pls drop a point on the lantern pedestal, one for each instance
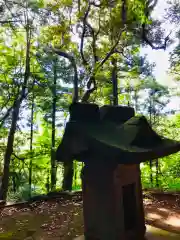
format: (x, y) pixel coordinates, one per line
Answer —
(112, 202)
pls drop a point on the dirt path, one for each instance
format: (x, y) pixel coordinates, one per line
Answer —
(48, 220)
(59, 219)
(163, 214)
(158, 234)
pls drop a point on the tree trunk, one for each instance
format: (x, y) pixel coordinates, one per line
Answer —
(53, 159)
(15, 115)
(47, 182)
(31, 142)
(114, 82)
(157, 173)
(156, 161)
(151, 174)
(75, 174)
(8, 152)
(150, 162)
(13, 178)
(68, 176)
(136, 100)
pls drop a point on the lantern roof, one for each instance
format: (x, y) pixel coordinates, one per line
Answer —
(111, 133)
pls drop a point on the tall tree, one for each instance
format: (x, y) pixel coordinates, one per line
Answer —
(94, 21)
(54, 100)
(31, 138)
(154, 104)
(16, 108)
(173, 15)
(56, 75)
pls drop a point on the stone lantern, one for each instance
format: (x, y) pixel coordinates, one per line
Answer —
(112, 142)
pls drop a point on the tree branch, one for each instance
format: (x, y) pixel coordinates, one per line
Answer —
(124, 12)
(90, 90)
(147, 41)
(91, 80)
(4, 22)
(83, 35)
(123, 54)
(73, 62)
(79, 6)
(17, 100)
(91, 83)
(2, 120)
(37, 79)
(6, 102)
(96, 4)
(93, 35)
(19, 158)
(151, 4)
(112, 50)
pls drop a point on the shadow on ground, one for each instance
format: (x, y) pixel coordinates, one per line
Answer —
(63, 220)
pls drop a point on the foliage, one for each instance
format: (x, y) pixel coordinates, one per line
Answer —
(75, 42)
(173, 14)
(169, 178)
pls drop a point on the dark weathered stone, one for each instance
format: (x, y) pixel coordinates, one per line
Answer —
(131, 142)
(103, 202)
(117, 114)
(99, 209)
(83, 112)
